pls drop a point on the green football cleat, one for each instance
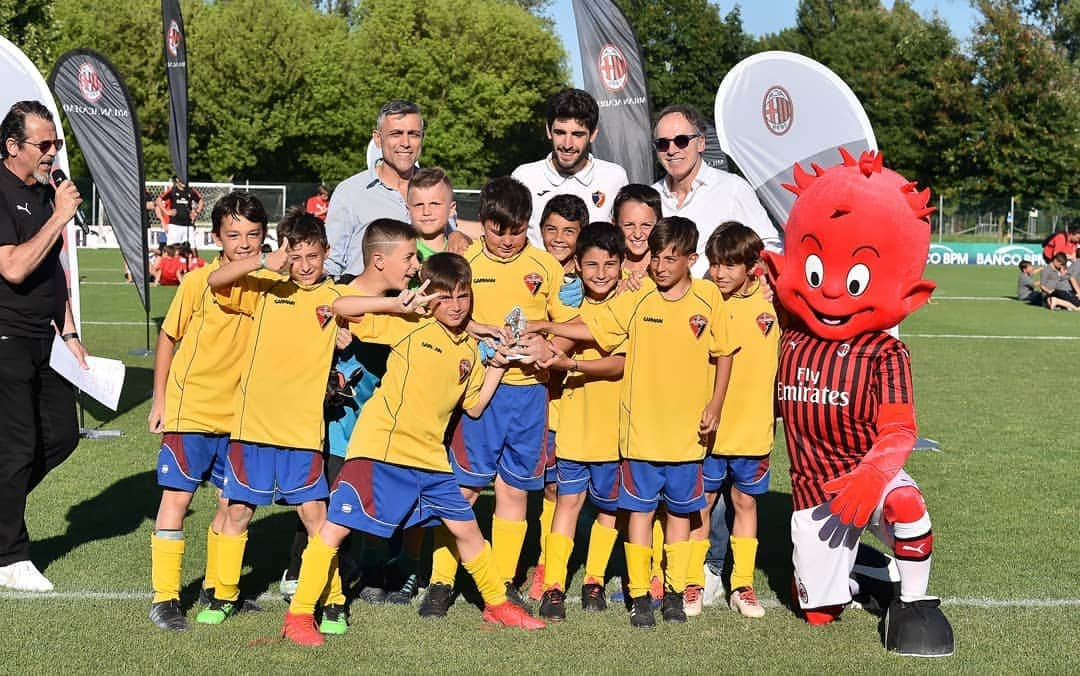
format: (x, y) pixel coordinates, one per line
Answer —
(334, 621)
(216, 612)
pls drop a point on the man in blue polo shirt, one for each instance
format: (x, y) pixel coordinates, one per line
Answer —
(379, 191)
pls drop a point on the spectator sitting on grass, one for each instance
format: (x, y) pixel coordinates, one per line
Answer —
(1060, 289)
(1027, 289)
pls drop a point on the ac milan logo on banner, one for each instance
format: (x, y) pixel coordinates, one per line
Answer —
(323, 314)
(533, 282)
(89, 83)
(765, 322)
(173, 39)
(698, 324)
(777, 110)
(612, 67)
(464, 369)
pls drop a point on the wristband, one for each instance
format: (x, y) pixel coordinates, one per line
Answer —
(262, 262)
(69, 336)
(575, 366)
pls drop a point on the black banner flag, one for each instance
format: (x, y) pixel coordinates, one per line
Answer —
(101, 113)
(172, 32)
(614, 74)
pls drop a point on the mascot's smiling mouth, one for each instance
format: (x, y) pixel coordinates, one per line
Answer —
(831, 320)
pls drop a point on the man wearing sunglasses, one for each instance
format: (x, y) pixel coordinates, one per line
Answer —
(570, 168)
(695, 190)
(38, 427)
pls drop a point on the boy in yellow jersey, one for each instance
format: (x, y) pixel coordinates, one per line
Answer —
(560, 224)
(390, 264)
(398, 472)
(277, 435)
(506, 443)
(587, 441)
(190, 381)
(669, 407)
(740, 452)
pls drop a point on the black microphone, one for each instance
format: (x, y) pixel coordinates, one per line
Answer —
(58, 177)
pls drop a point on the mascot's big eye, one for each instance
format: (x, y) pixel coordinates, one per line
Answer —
(815, 271)
(858, 278)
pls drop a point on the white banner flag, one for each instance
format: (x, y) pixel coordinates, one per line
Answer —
(777, 108)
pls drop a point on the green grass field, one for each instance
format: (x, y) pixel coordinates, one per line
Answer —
(992, 380)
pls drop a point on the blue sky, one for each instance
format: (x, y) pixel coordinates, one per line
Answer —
(761, 17)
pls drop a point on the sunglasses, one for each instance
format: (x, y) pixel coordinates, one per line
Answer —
(680, 141)
(44, 146)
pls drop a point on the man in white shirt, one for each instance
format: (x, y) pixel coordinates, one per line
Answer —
(694, 190)
(570, 168)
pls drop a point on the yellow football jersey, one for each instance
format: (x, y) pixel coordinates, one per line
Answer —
(748, 418)
(668, 378)
(429, 373)
(205, 369)
(589, 410)
(530, 280)
(287, 363)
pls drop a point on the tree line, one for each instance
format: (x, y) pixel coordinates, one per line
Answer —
(288, 90)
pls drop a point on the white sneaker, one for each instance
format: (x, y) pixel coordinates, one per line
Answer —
(745, 602)
(692, 600)
(714, 588)
(24, 576)
(287, 586)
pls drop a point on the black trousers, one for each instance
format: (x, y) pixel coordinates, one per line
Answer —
(38, 431)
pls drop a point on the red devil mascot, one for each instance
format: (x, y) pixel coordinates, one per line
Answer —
(856, 243)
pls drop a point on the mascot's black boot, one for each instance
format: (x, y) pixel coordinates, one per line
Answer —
(918, 629)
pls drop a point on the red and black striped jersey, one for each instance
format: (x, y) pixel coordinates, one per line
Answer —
(828, 393)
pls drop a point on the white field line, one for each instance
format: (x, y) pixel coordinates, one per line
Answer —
(987, 603)
(1004, 298)
(964, 336)
(90, 323)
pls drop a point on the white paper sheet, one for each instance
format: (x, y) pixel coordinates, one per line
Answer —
(103, 381)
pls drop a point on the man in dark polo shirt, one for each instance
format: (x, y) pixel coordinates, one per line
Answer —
(38, 428)
(183, 204)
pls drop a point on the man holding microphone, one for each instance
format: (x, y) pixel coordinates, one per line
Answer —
(38, 426)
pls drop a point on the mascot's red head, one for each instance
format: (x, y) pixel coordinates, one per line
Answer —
(855, 248)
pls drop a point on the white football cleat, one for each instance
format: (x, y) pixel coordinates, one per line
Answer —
(24, 576)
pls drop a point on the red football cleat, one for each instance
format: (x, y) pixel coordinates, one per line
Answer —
(301, 630)
(536, 588)
(509, 615)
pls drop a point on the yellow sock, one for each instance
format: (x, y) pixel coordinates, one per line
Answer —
(507, 537)
(230, 561)
(657, 569)
(210, 577)
(333, 595)
(559, 548)
(601, 542)
(166, 561)
(678, 558)
(637, 568)
(743, 553)
(547, 515)
(444, 562)
(315, 566)
(488, 581)
(695, 572)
